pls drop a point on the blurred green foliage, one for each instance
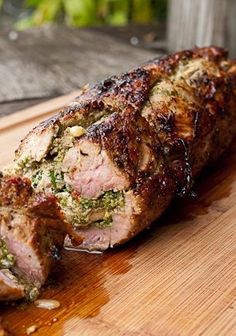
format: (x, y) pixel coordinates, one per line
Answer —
(81, 13)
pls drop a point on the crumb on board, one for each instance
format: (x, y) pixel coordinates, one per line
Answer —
(47, 304)
(54, 320)
(30, 330)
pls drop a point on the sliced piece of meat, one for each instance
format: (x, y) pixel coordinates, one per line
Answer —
(32, 241)
(10, 288)
(133, 218)
(37, 146)
(33, 230)
(94, 239)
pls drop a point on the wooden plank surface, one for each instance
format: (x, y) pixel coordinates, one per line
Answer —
(44, 62)
(201, 23)
(49, 61)
(177, 279)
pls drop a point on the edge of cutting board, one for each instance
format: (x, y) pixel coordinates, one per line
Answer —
(36, 111)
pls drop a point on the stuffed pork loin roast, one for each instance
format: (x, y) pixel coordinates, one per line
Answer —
(118, 154)
(31, 233)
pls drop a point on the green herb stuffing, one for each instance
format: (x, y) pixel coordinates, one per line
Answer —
(113, 199)
(78, 211)
(48, 176)
(88, 203)
(23, 163)
(53, 179)
(109, 201)
(72, 209)
(7, 260)
(57, 180)
(32, 293)
(106, 222)
(36, 178)
(60, 146)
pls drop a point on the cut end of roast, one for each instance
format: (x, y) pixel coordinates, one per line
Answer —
(120, 230)
(31, 231)
(90, 172)
(10, 287)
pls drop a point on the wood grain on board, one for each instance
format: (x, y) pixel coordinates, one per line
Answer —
(176, 279)
(48, 61)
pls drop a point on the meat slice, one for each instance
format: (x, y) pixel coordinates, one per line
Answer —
(10, 288)
(147, 134)
(32, 231)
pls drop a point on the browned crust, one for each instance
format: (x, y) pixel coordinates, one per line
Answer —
(18, 194)
(122, 135)
(129, 89)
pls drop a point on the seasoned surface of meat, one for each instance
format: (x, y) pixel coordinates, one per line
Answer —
(145, 136)
(32, 232)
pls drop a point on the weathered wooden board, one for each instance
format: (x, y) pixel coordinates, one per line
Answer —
(177, 279)
(201, 23)
(51, 60)
(45, 62)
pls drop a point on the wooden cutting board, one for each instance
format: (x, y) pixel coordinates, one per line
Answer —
(177, 278)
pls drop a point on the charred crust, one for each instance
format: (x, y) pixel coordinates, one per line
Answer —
(212, 53)
(121, 135)
(17, 193)
(167, 64)
(129, 89)
(154, 187)
(45, 206)
(14, 191)
(166, 121)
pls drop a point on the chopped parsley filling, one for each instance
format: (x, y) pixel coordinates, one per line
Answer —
(78, 211)
(109, 201)
(47, 176)
(7, 260)
(106, 222)
(32, 293)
